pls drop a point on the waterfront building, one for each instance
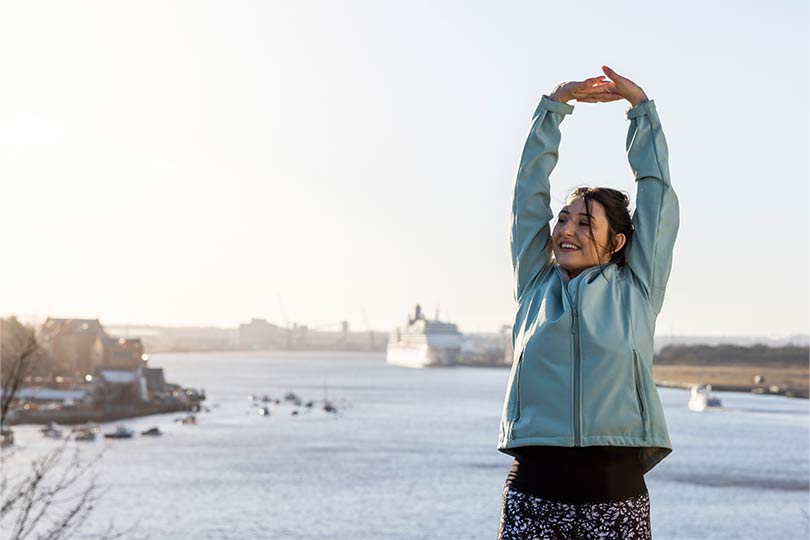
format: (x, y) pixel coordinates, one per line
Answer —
(122, 353)
(120, 386)
(76, 345)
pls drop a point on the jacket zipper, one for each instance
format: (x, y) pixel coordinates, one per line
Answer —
(575, 338)
(577, 390)
(640, 394)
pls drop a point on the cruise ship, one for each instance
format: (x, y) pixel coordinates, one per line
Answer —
(424, 343)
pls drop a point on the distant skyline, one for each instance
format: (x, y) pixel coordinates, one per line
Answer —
(204, 163)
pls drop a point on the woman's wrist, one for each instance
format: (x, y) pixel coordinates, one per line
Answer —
(556, 96)
(639, 100)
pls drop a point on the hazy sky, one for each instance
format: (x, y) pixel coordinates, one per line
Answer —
(315, 161)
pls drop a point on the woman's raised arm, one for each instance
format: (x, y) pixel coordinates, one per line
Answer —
(531, 209)
(656, 218)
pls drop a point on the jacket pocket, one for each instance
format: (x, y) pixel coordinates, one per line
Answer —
(640, 395)
(513, 408)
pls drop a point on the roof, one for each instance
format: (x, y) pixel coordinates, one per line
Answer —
(53, 326)
(49, 394)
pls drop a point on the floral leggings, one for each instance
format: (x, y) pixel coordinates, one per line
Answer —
(526, 517)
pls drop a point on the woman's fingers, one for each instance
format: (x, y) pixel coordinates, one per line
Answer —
(590, 90)
(599, 98)
(610, 73)
(596, 82)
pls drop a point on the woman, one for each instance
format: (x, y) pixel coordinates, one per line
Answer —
(582, 416)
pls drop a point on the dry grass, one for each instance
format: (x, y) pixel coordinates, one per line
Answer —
(736, 375)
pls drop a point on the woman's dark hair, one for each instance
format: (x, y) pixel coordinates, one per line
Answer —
(616, 204)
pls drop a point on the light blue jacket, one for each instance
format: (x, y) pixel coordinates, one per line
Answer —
(582, 366)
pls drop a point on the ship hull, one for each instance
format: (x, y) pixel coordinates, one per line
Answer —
(421, 356)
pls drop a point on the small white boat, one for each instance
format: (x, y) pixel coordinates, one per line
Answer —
(701, 398)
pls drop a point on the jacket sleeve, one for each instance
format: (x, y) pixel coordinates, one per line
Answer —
(656, 218)
(531, 210)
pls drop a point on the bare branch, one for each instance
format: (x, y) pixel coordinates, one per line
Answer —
(49, 498)
(16, 366)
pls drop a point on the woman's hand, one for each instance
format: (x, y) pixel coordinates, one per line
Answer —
(565, 92)
(619, 87)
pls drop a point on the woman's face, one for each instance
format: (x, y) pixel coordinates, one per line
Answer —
(573, 246)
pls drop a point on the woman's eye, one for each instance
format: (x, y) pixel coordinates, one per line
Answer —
(584, 223)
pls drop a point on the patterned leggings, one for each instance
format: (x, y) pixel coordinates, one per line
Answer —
(526, 517)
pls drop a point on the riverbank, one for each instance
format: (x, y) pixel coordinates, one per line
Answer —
(75, 415)
(791, 381)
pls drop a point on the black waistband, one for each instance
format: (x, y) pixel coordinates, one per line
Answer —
(578, 475)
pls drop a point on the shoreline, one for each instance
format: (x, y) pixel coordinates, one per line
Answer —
(76, 416)
(789, 381)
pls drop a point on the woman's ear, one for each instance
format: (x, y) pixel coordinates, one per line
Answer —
(619, 241)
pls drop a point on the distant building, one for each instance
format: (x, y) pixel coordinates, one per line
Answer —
(120, 386)
(155, 381)
(82, 346)
(260, 334)
(508, 346)
(75, 344)
(123, 353)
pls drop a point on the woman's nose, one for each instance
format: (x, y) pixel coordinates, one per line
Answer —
(568, 228)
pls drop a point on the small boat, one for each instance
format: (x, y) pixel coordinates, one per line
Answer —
(85, 436)
(184, 420)
(329, 407)
(152, 432)
(264, 411)
(291, 396)
(701, 398)
(121, 432)
(7, 437)
(86, 433)
(52, 431)
(266, 399)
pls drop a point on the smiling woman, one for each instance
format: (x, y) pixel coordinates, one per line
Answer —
(592, 229)
(582, 416)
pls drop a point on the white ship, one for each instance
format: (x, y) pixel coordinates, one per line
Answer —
(423, 343)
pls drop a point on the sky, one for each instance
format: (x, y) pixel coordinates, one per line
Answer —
(202, 163)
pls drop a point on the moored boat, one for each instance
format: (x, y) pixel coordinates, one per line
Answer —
(701, 398)
(85, 433)
(121, 432)
(52, 431)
